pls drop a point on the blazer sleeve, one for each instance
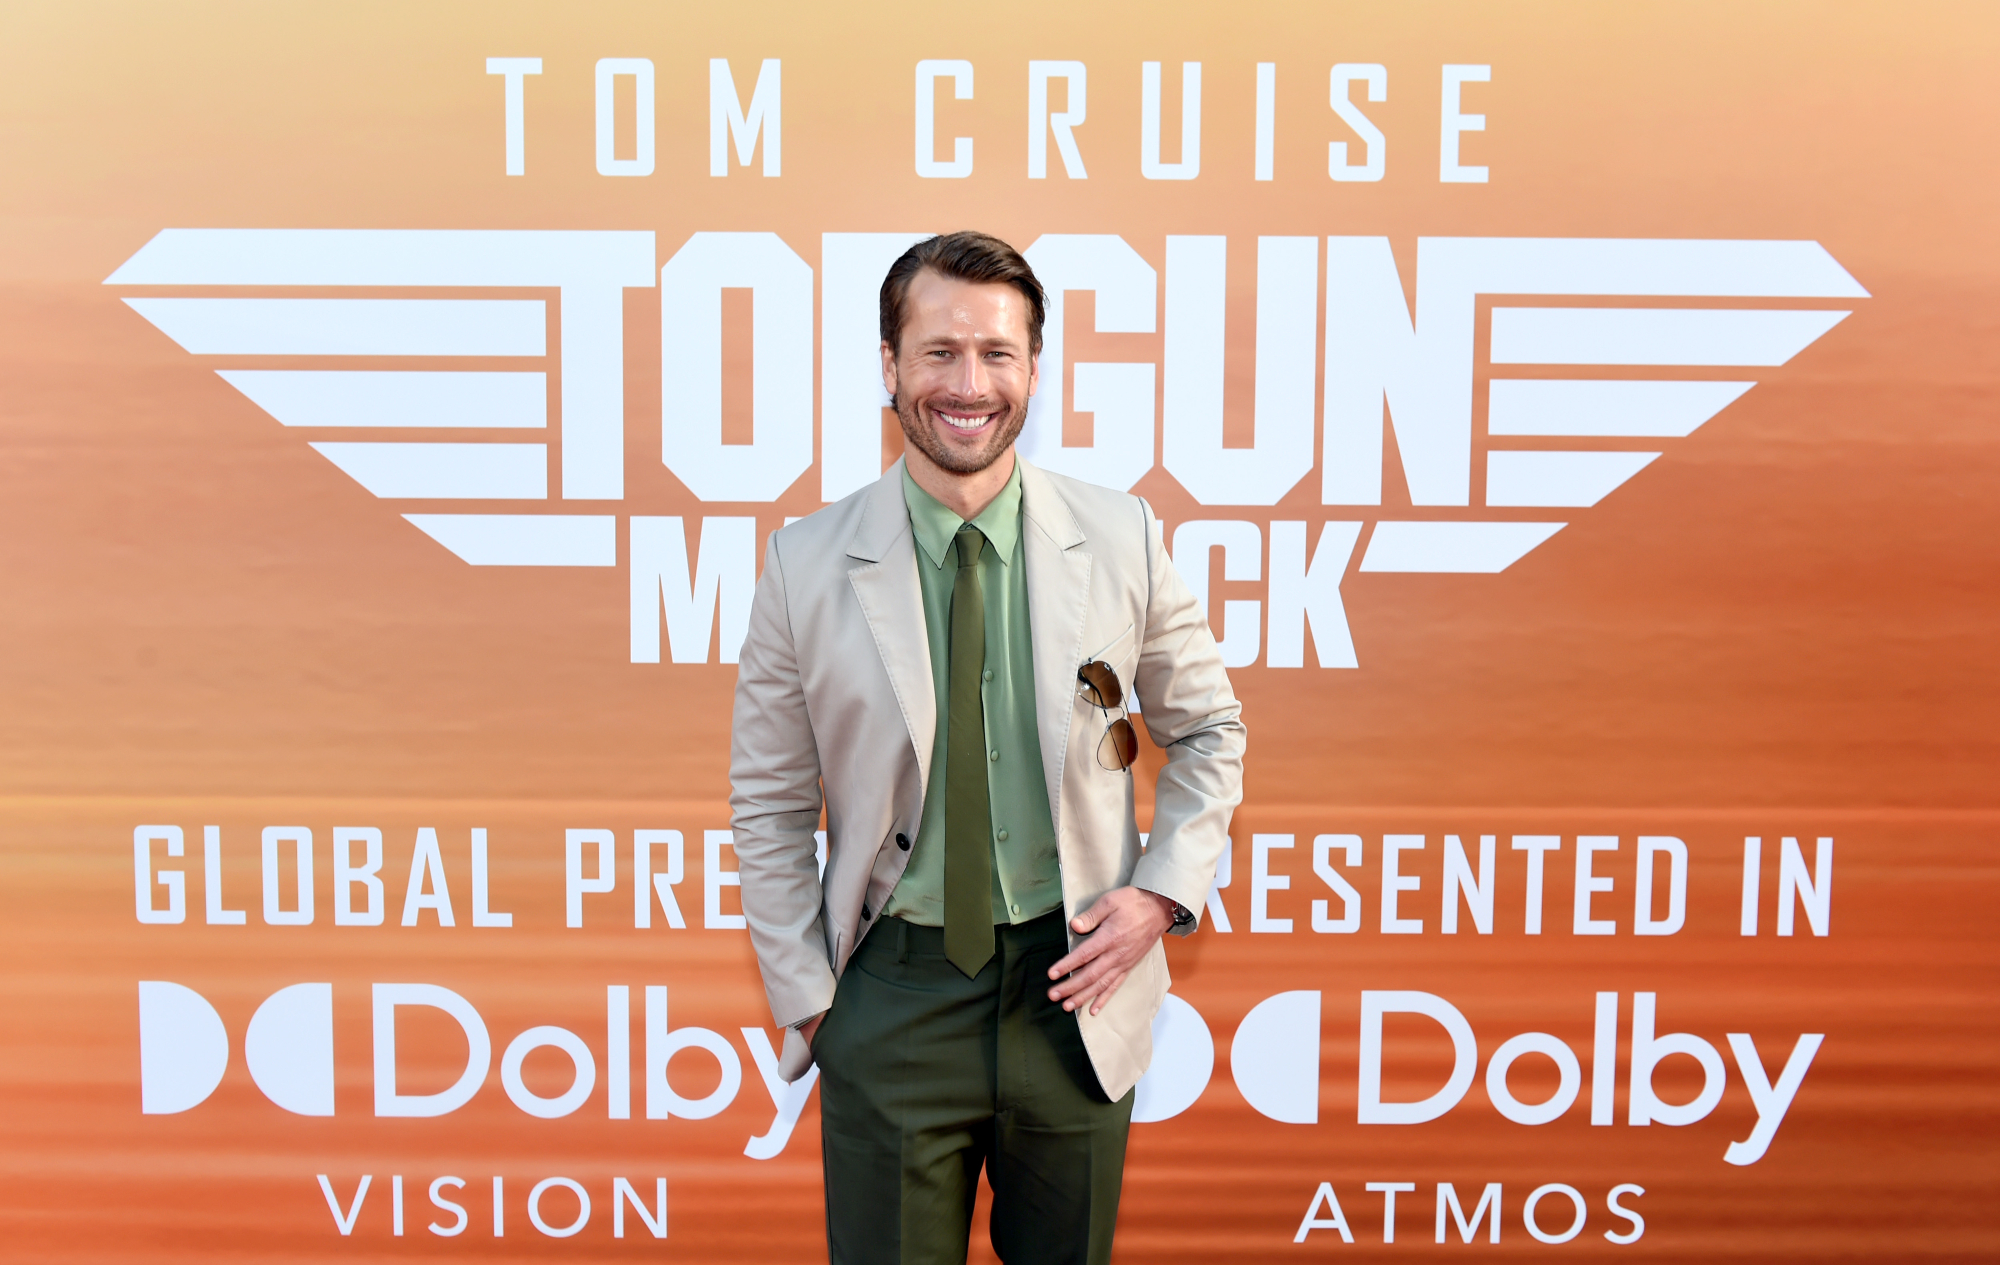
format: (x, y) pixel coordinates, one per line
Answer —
(1192, 713)
(775, 802)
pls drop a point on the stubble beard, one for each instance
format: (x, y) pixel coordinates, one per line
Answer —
(918, 431)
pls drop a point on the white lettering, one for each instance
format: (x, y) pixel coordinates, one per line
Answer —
(655, 1220)
(1458, 881)
(482, 913)
(1454, 123)
(647, 886)
(514, 68)
(344, 1222)
(640, 70)
(1535, 846)
(1394, 883)
(347, 876)
(535, 1207)
(1604, 1060)
(575, 885)
(1588, 884)
(662, 1103)
(1267, 144)
(427, 888)
(1350, 900)
(301, 914)
(1643, 922)
(1041, 122)
(143, 875)
(437, 1197)
(1753, 865)
(928, 166)
(1119, 396)
(1242, 546)
(618, 1052)
(1192, 419)
(1772, 1102)
(714, 878)
(211, 880)
(787, 1099)
(781, 317)
(1150, 165)
(581, 1083)
(1569, 1073)
(1814, 894)
(1465, 1057)
(478, 1055)
(1638, 1229)
(1218, 914)
(1263, 882)
(1488, 1208)
(1648, 1051)
(1535, 1197)
(724, 580)
(1302, 594)
(1388, 1192)
(728, 120)
(1325, 1198)
(851, 400)
(1376, 151)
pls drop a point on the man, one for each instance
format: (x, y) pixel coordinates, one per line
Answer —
(942, 662)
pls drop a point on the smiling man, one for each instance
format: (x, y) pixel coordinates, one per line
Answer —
(943, 663)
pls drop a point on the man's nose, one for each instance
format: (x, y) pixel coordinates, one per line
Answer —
(972, 378)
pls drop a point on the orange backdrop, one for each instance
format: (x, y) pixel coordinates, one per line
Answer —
(1783, 627)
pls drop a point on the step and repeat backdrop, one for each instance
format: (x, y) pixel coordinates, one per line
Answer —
(1578, 420)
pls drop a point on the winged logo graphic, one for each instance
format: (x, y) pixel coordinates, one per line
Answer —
(1566, 423)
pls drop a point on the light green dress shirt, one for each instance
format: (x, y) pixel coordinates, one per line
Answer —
(1027, 879)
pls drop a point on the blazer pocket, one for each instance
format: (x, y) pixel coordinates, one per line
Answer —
(1116, 651)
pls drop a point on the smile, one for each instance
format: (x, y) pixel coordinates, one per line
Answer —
(965, 422)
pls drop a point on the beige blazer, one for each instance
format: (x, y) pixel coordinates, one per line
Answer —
(835, 708)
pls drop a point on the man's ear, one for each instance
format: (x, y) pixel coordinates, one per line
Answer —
(889, 369)
(1034, 372)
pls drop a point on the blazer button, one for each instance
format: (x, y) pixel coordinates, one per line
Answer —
(903, 842)
(864, 913)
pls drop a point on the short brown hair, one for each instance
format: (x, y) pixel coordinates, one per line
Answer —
(976, 257)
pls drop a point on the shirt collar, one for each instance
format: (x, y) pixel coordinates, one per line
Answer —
(934, 524)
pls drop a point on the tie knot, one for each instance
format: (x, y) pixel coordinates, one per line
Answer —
(970, 540)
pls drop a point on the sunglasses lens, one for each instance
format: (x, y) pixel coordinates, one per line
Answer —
(1100, 684)
(1121, 745)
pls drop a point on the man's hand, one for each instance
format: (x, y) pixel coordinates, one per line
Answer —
(1118, 930)
(811, 1026)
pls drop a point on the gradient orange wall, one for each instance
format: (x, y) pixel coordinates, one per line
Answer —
(1784, 626)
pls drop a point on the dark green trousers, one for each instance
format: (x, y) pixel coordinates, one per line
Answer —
(926, 1076)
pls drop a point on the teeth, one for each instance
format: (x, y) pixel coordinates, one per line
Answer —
(966, 423)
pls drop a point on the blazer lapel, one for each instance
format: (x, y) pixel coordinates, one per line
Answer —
(885, 584)
(1059, 572)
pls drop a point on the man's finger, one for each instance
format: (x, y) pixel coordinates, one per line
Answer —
(1081, 980)
(1098, 993)
(1076, 958)
(1104, 994)
(1086, 922)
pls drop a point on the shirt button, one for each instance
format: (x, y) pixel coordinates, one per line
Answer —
(1015, 908)
(994, 755)
(1002, 837)
(987, 675)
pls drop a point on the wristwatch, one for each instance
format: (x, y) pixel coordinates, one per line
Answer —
(1183, 916)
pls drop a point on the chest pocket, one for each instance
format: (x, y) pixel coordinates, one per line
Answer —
(1122, 653)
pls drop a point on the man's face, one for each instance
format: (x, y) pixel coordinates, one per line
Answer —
(964, 374)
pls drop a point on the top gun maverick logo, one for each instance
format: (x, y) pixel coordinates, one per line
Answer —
(1377, 351)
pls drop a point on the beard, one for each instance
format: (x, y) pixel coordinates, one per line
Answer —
(919, 431)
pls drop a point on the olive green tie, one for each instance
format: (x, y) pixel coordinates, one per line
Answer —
(968, 818)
